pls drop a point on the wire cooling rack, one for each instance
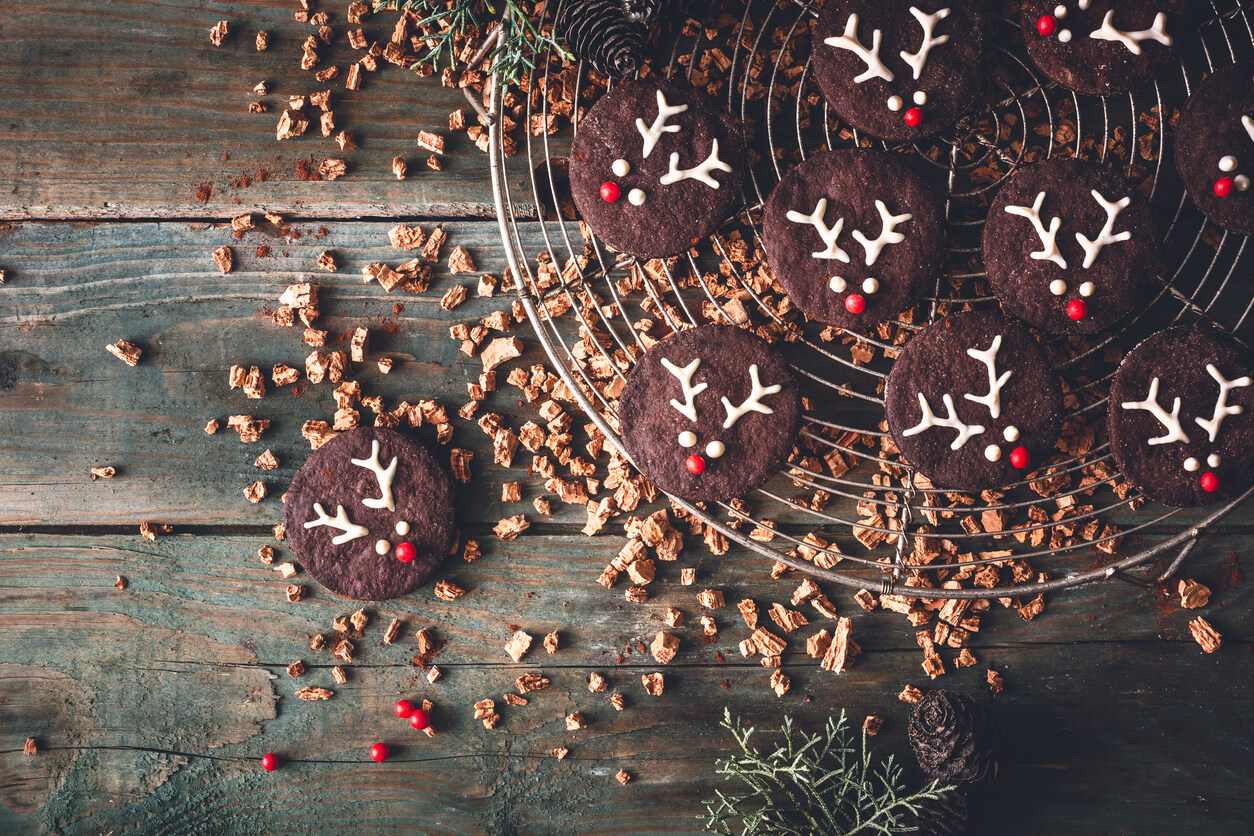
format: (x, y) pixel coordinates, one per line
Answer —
(769, 84)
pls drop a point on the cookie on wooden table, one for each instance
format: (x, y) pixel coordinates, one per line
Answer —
(1182, 417)
(656, 166)
(370, 514)
(973, 402)
(1071, 246)
(710, 413)
(1215, 147)
(899, 69)
(854, 236)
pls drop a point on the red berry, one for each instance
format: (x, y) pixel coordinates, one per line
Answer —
(696, 464)
(270, 762)
(854, 303)
(1020, 457)
(405, 708)
(406, 552)
(1223, 186)
(610, 192)
(1077, 309)
(913, 117)
(1210, 482)
(379, 752)
(419, 719)
(1047, 25)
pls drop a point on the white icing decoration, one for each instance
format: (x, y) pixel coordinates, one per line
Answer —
(1213, 460)
(1222, 409)
(753, 403)
(874, 66)
(688, 408)
(1049, 244)
(385, 477)
(1060, 11)
(918, 60)
(1011, 433)
(687, 438)
(1087, 289)
(1064, 35)
(1242, 182)
(1248, 123)
(888, 233)
(1093, 248)
(341, 521)
(1191, 464)
(995, 383)
(871, 286)
(829, 234)
(382, 547)
(1171, 422)
(1058, 287)
(1228, 163)
(1132, 40)
(715, 449)
(920, 97)
(636, 197)
(895, 103)
(652, 133)
(1084, 5)
(621, 168)
(701, 172)
(992, 452)
(402, 528)
(929, 420)
(838, 284)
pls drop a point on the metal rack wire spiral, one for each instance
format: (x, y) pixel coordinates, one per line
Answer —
(1025, 118)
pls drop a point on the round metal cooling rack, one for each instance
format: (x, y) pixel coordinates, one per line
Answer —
(769, 85)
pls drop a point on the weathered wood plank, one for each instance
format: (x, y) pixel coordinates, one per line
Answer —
(123, 108)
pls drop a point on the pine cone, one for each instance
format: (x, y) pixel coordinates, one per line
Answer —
(650, 12)
(598, 32)
(953, 736)
(946, 816)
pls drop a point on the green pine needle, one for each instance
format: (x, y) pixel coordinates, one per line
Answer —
(810, 784)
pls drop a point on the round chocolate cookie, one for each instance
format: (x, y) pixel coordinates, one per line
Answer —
(1182, 417)
(973, 402)
(1070, 246)
(854, 236)
(1215, 147)
(710, 413)
(1099, 47)
(899, 69)
(655, 167)
(362, 503)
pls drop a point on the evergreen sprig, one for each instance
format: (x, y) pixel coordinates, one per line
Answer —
(814, 783)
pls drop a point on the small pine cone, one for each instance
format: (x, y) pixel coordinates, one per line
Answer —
(650, 12)
(948, 815)
(599, 33)
(952, 736)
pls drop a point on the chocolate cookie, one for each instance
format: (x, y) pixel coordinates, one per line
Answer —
(854, 236)
(1099, 47)
(899, 69)
(710, 413)
(973, 402)
(361, 505)
(1070, 246)
(1182, 417)
(1215, 147)
(655, 167)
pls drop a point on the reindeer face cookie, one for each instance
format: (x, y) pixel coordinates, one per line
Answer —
(973, 402)
(1181, 426)
(370, 514)
(899, 69)
(1070, 246)
(1215, 147)
(655, 167)
(709, 413)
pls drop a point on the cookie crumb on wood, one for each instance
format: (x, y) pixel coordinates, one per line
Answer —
(459, 261)
(297, 668)
(872, 725)
(622, 776)
(596, 682)
(550, 642)
(431, 141)
(654, 683)
(399, 167)
(499, 351)
(219, 32)
(510, 527)
(326, 260)
(448, 591)
(996, 683)
(912, 695)
(31, 748)
(664, 647)
(1192, 594)
(780, 683)
(224, 258)
(338, 674)
(295, 593)
(127, 352)
(103, 473)
(518, 645)
(529, 682)
(559, 753)
(393, 631)
(255, 492)
(1205, 634)
(120, 583)
(576, 721)
(315, 693)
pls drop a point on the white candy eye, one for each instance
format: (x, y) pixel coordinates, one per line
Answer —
(715, 449)
(1058, 287)
(621, 168)
(402, 528)
(636, 197)
(687, 438)
(1064, 35)
(382, 547)
(1242, 182)
(1228, 163)
(1212, 460)
(895, 103)
(1011, 433)
(1191, 464)
(1087, 289)
(870, 286)
(1060, 11)
(838, 284)
(920, 98)
(992, 452)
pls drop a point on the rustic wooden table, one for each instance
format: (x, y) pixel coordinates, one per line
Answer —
(124, 149)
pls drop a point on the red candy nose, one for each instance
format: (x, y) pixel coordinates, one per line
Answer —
(406, 552)
(913, 117)
(696, 464)
(1047, 25)
(854, 303)
(1077, 309)
(1223, 186)
(1020, 457)
(1210, 482)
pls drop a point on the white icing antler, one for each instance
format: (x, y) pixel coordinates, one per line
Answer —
(1248, 124)
(385, 478)
(701, 172)
(652, 133)
(1093, 248)
(351, 530)
(1222, 409)
(753, 403)
(1049, 237)
(918, 60)
(1132, 40)
(989, 358)
(829, 234)
(1171, 422)
(688, 408)
(888, 234)
(871, 57)
(929, 420)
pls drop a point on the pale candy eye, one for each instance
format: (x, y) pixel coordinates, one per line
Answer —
(687, 438)
(715, 449)
(1212, 460)
(1191, 464)
(1011, 433)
